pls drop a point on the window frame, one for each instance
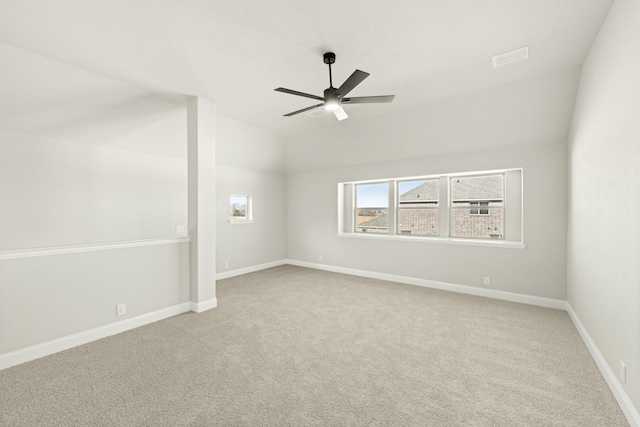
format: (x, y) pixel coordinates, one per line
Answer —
(248, 218)
(356, 208)
(512, 207)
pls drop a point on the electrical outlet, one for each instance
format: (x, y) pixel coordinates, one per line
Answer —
(226, 265)
(487, 281)
(320, 258)
(623, 372)
(121, 309)
(179, 228)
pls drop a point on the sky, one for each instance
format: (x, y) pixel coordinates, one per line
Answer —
(239, 200)
(377, 195)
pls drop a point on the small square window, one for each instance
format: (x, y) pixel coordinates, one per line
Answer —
(479, 208)
(240, 208)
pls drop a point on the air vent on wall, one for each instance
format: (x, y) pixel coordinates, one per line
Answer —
(511, 57)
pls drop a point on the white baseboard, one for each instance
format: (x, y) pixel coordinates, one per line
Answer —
(610, 377)
(489, 293)
(199, 307)
(50, 347)
(251, 269)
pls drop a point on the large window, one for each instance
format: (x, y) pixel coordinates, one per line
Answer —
(462, 206)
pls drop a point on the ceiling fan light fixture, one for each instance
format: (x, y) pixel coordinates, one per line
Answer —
(331, 105)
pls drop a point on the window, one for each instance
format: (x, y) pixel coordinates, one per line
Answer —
(240, 208)
(418, 207)
(372, 208)
(477, 206)
(461, 207)
(476, 211)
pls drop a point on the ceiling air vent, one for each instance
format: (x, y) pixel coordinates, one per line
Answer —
(511, 57)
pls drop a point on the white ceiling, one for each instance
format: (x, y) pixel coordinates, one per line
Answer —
(237, 52)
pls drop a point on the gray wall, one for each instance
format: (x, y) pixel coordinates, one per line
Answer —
(50, 297)
(604, 208)
(110, 165)
(96, 169)
(57, 193)
(523, 124)
(249, 161)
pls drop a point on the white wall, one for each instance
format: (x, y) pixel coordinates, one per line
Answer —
(87, 160)
(57, 193)
(50, 297)
(247, 146)
(201, 119)
(114, 171)
(523, 124)
(249, 161)
(604, 208)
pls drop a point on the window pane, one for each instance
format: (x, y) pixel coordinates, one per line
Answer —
(418, 192)
(477, 206)
(489, 226)
(372, 201)
(419, 222)
(485, 187)
(418, 207)
(238, 206)
(372, 195)
(370, 220)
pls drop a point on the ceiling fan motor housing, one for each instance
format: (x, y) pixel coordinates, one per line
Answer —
(331, 93)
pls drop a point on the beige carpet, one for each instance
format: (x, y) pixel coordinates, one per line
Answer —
(293, 346)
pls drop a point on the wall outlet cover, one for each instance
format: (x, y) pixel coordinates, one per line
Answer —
(121, 309)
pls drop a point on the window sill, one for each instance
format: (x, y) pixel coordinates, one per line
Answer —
(240, 221)
(440, 240)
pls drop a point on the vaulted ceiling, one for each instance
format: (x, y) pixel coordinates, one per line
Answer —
(237, 52)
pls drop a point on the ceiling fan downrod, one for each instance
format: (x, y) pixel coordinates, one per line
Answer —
(329, 58)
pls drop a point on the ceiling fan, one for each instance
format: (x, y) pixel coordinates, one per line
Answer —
(334, 98)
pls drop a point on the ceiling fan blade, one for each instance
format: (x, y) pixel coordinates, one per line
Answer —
(303, 110)
(295, 92)
(368, 99)
(340, 114)
(354, 80)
